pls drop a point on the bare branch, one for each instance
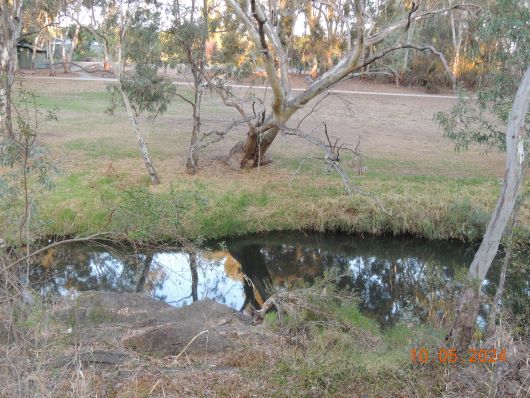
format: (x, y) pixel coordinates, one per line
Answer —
(54, 244)
(332, 160)
(219, 135)
(260, 19)
(345, 66)
(415, 16)
(257, 39)
(423, 47)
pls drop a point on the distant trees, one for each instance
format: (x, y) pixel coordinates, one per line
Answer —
(185, 41)
(365, 46)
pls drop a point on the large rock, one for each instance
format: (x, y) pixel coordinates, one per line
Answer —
(179, 337)
(152, 327)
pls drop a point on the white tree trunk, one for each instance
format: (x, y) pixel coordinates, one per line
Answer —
(66, 63)
(515, 134)
(73, 45)
(34, 51)
(133, 116)
(141, 141)
(10, 26)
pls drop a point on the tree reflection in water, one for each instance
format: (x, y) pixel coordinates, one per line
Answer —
(391, 276)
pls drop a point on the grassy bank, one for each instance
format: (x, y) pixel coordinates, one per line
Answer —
(101, 184)
(213, 207)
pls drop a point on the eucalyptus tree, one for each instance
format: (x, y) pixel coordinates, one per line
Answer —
(263, 23)
(185, 42)
(71, 32)
(501, 99)
(11, 12)
(50, 13)
(101, 18)
(142, 92)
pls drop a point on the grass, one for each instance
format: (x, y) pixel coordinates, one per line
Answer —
(337, 351)
(83, 202)
(205, 207)
(102, 148)
(102, 184)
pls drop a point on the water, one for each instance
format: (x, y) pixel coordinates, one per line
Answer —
(393, 277)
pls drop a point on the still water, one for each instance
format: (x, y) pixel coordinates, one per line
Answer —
(393, 277)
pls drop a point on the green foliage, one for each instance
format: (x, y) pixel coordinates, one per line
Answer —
(338, 350)
(147, 91)
(352, 315)
(466, 123)
(26, 168)
(504, 30)
(184, 42)
(232, 48)
(139, 214)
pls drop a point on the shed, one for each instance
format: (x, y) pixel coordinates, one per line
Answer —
(25, 52)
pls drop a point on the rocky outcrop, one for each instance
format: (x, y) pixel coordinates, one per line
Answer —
(134, 321)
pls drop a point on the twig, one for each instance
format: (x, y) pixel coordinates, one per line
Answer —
(332, 159)
(54, 244)
(191, 341)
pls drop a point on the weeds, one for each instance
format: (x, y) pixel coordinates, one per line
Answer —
(333, 350)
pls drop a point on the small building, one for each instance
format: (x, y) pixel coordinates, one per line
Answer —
(25, 52)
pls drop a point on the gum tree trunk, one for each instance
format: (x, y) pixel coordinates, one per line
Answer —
(73, 45)
(469, 301)
(134, 116)
(193, 156)
(254, 152)
(153, 175)
(34, 51)
(51, 51)
(10, 26)
(197, 69)
(66, 63)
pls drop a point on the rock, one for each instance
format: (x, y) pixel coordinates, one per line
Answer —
(152, 327)
(172, 339)
(92, 357)
(139, 310)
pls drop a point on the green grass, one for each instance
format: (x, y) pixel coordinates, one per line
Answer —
(331, 360)
(102, 148)
(80, 101)
(435, 208)
(101, 172)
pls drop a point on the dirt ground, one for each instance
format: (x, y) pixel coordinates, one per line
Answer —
(397, 129)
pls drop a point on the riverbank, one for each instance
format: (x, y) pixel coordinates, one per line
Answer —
(129, 345)
(234, 203)
(101, 184)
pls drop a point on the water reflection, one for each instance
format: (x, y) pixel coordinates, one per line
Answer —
(391, 276)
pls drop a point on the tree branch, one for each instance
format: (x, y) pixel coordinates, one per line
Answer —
(257, 38)
(54, 244)
(332, 160)
(415, 16)
(422, 47)
(345, 66)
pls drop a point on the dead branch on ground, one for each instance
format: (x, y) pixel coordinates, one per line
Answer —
(332, 159)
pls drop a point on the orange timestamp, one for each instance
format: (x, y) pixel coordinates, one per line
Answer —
(451, 355)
